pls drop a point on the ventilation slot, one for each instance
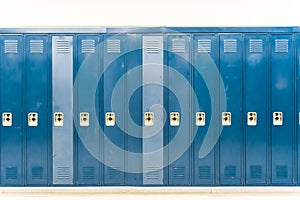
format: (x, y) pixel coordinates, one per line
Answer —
(256, 46)
(281, 46)
(114, 174)
(11, 46)
(88, 46)
(152, 46)
(230, 46)
(11, 173)
(88, 172)
(255, 172)
(204, 46)
(204, 172)
(63, 173)
(178, 45)
(153, 173)
(281, 172)
(230, 172)
(36, 46)
(62, 46)
(178, 172)
(37, 172)
(113, 46)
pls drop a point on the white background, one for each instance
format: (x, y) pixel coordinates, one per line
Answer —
(82, 13)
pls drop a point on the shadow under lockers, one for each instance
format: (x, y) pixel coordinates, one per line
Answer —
(149, 108)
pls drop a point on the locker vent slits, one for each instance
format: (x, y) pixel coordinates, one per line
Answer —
(152, 47)
(113, 46)
(114, 174)
(204, 46)
(153, 173)
(37, 172)
(88, 172)
(204, 172)
(178, 172)
(63, 173)
(255, 46)
(255, 172)
(36, 46)
(10, 46)
(230, 46)
(11, 173)
(281, 46)
(88, 46)
(230, 172)
(178, 45)
(63, 46)
(281, 172)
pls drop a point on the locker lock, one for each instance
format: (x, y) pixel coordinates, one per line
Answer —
(7, 119)
(226, 118)
(32, 119)
(84, 119)
(149, 118)
(277, 118)
(58, 119)
(252, 118)
(200, 119)
(174, 118)
(110, 119)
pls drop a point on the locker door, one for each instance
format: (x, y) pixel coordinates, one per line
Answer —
(256, 109)
(88, 167)
(114, 61)
(134, 136)
(298, 103)
(11, 110)
(178, 59)
(231, 58)
(62, 108)
(37, 68)
(205, 54)
(283, 101)
(153, 101)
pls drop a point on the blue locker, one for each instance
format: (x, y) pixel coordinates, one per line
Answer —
(231, 65)
(62, 110)
(134, 117)
(11, 110)
(114, 69)
(205, 58)
(298, 104)
(179, 60)
(37, 69)
(283, 109)
(256, 92)
(88, 167)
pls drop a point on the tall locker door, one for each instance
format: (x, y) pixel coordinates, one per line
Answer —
(153, 113)
(37, 67)
(114, 69)
(283, 109)
(231, 64)
(256, 109)
(134, 117)
(11, 110)
(298, 104)
(179, 112)
(88, 57)
(205, 59)
(62, 109)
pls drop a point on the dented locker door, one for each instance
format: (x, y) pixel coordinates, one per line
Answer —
(37, 67)
(11, 110)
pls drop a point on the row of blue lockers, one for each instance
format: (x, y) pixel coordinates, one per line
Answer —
(188, 107)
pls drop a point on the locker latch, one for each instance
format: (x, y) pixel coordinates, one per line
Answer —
(200, 119)
(32, 119)
(226, 118)
(58, 119)
(277, 118)
(110, 119)
(252, 118)
(7, 119)
(149, 118)
(84, 119)
(174, 118)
